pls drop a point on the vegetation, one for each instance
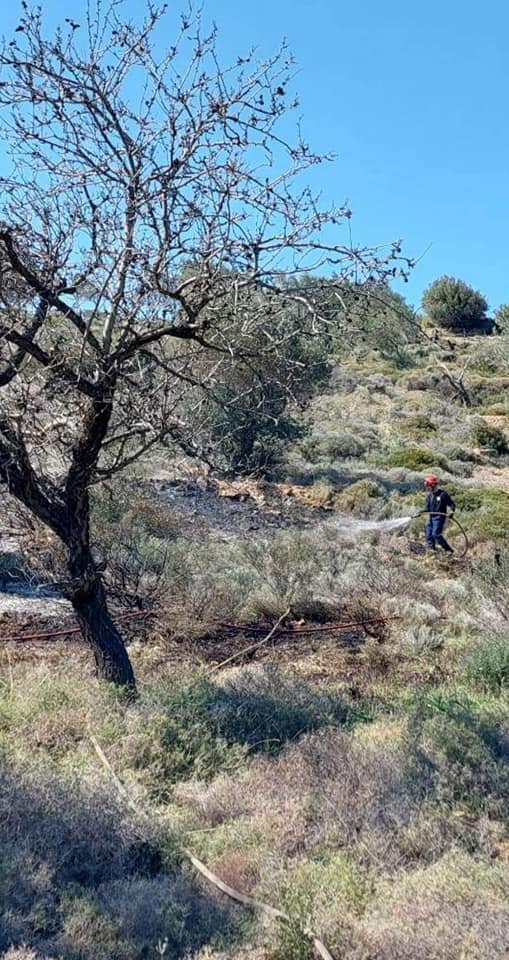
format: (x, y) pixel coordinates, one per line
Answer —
(322, 708)
(485, 435)
(358, 783)
(501, 317)
(415, 458)
(453, 305)
(139, 308)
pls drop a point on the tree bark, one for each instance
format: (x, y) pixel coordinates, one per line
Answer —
(99, 631)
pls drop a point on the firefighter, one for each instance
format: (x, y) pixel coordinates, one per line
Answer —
(438, 502)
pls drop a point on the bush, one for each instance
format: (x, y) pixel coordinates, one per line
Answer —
(484, 435)
(460, 469)
(376, 318)
(417, 425)
(360, 496)
(484, 512)
(307, 893)
(490, 585)
(415, 458)
(454, 452)
(455, 306)
(332, 790)
(23, 953)
(340, 445)
(78, 879)
(454, 909)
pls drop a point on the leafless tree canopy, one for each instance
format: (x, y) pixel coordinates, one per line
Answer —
(154, 226)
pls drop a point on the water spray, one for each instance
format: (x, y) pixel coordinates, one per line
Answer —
(387, 526)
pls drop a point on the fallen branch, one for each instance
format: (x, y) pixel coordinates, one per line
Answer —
(254, 646)
(212, 878)
(456, 382)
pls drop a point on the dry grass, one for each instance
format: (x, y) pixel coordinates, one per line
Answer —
(330, 790)
(456, 909)
(360, 783)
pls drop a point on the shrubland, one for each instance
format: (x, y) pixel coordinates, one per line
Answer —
(357, 782)
(356, 778)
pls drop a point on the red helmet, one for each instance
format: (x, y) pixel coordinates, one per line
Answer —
(430, 481)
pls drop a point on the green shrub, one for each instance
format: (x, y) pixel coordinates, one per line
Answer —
(415, 458)
(292, 943)
(468, 499)
(316, 881)
(494, 410)
(452, 304)
(464, 755)
(490, 359)
(84, 923)
(307, 892)
(483, 512)
(454, 452)
(417, 425)
(359, 496)
(485, 435)
(181, 741)
(489, 584)
(501, 317)
(487, 392)
(376, 318)
(421, 380)
(78, 879)
(340, 445)
(455, 908)
(460, 468)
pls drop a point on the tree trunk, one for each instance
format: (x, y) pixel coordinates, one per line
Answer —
(99, 631)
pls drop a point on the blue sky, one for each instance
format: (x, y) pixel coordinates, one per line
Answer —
(413, 100)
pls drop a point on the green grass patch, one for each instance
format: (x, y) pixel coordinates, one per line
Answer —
(484, 512)
(487, 667)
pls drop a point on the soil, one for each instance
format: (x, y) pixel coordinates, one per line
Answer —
(234, 509)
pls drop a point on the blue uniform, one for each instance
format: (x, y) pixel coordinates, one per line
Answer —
(437, 503)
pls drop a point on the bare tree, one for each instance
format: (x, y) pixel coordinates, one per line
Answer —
(150, 192)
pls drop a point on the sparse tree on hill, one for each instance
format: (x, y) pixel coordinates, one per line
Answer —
(151, 209)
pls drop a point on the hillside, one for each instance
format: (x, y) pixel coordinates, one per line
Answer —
(356, 778)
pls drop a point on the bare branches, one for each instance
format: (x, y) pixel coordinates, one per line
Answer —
(156, 233)
(47, 296)
(189, 171)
